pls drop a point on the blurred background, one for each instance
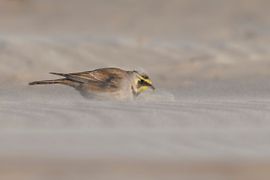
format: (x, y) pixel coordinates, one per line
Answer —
(195, 51)
(178, 42)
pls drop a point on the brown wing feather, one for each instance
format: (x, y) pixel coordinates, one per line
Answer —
(100, 74)
(106, 79)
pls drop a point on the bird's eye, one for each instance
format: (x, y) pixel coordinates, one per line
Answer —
(141, 82)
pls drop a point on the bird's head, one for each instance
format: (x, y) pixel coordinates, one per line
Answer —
(141, 82)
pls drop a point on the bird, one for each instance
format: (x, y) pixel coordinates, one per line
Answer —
(104, 83)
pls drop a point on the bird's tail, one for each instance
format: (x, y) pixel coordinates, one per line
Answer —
(56, 81)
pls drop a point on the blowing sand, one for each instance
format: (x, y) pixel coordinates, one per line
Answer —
(208, 119)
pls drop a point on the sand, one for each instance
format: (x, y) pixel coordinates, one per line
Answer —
(208, 119)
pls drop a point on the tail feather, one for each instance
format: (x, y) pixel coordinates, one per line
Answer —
(57, 81)
(59, 74)
(63, 81)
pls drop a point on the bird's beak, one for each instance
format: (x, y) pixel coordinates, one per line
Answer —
(152, 87)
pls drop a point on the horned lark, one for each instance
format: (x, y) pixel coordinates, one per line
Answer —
(104, 83)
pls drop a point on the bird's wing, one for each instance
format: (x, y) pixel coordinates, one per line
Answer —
(107, 77)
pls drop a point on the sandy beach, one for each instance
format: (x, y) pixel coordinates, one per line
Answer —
(208, 118)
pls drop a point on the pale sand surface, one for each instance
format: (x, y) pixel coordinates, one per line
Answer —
(55, 133)
(208, 119)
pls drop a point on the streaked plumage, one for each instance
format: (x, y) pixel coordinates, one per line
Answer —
(104, 83)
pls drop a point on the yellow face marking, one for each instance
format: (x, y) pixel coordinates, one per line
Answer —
(143, 87)
(145, 79)
(148, 81)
